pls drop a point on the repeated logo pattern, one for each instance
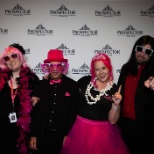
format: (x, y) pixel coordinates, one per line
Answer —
(75, 29)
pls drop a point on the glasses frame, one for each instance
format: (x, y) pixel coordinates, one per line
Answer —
(13, 55)
(49, 70)
(144, 50)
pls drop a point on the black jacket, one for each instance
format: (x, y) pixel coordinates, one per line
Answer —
(144, 104)
(62, 99)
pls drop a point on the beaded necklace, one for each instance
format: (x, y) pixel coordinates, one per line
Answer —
(101, 93)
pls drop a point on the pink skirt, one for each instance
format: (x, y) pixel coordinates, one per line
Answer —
(94, 137)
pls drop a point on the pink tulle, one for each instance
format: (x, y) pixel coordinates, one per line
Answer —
(93, 137)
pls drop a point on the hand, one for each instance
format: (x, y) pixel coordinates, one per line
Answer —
(32, 143)
(34, 100)
(117, 96)
(46, 77)
(150, 83)
(64, 140)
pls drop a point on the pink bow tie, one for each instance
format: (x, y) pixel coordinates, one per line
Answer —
(55, 81)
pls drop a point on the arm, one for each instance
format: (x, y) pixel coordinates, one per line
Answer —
(34, 100)
(33, 143)
(114, 113)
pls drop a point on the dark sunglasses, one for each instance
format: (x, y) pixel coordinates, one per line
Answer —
(14, 56)
(146, 51)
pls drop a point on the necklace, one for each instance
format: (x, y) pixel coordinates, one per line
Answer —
(13, 94)
(101, 93)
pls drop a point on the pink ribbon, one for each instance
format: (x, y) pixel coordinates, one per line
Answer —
(55, 81)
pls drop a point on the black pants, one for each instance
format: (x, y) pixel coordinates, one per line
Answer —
(135, 143)
(50, 144)
(8, 143)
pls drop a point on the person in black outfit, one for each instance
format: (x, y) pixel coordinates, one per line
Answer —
(137, 114)
(16, 86)
(56, 109)
(95, 130)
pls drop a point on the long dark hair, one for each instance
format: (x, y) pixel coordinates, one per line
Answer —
(131, 65)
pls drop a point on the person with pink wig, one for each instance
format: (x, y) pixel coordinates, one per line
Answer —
(16, 86)
(95, 130)
(56, 108)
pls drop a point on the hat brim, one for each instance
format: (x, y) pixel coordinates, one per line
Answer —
(50, 60)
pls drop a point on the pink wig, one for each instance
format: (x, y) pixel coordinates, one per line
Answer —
(14, 50)
(107, 62)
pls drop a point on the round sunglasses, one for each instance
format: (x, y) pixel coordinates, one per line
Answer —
(13, 56)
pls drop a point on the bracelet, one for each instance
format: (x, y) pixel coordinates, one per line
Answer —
(116, 107)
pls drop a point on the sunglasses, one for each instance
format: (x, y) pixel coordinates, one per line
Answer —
(146, 51)
(14, 56)
(47, 67)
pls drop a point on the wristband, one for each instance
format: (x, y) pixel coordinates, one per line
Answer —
(116, 107)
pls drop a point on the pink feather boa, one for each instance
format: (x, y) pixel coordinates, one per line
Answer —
(25, 105)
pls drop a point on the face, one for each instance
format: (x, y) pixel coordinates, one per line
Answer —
(12, 61)
(56, 69)
(142, 55)
(101, 71)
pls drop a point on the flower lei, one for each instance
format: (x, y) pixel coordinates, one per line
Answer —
(25, 105)
(101, 93)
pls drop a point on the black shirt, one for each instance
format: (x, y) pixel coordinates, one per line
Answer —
(98, 111)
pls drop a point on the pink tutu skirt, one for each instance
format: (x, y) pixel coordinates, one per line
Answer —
(94, 137)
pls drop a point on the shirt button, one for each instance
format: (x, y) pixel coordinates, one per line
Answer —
(50, 120)
(55, 94)
(52, 112)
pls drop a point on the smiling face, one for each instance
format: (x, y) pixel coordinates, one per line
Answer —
(101, 71)
(141, 56)
(12, 61)
(57, 70)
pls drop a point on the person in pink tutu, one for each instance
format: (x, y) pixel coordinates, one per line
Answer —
(95, 130)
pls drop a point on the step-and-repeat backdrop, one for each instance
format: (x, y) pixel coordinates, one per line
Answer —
(80, 28)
